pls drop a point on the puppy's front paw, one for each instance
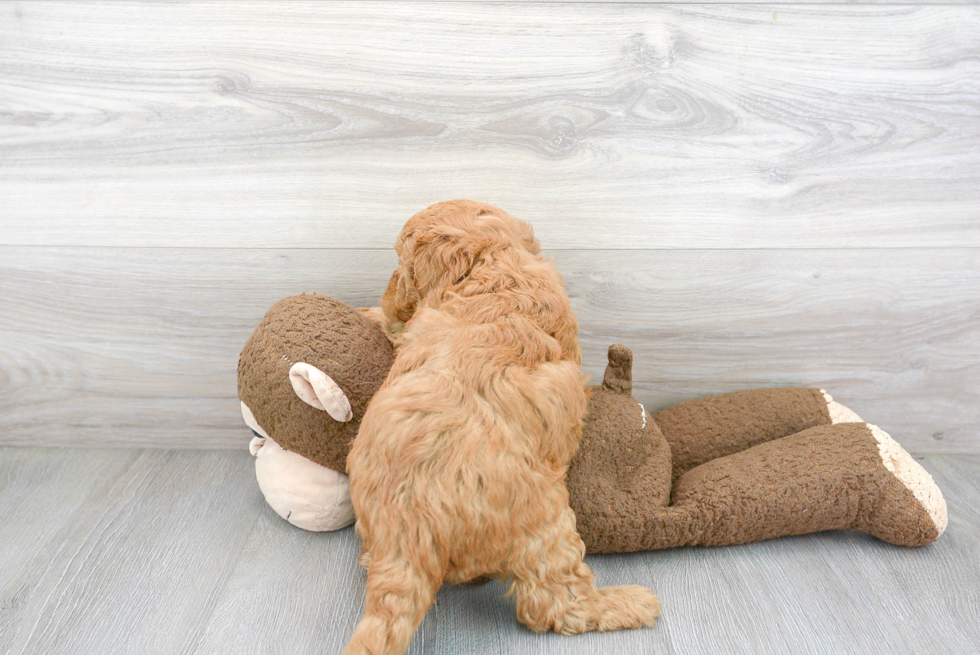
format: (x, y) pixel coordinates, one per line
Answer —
(627, 606)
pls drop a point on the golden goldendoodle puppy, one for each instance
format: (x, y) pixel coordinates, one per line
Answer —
(458, 468)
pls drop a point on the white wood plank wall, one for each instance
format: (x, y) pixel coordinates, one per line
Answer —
(747, 195)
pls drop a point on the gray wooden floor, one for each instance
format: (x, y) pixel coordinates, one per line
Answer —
(175, 551)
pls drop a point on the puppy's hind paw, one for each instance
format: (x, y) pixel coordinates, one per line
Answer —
(627, 606)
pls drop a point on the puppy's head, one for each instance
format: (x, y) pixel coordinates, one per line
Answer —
(442, 245)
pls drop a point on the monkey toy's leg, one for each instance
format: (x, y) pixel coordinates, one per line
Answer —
(829, 477)
(701, 430)
(748, 466)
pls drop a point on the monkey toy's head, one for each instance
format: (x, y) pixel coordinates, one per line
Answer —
(305, 377)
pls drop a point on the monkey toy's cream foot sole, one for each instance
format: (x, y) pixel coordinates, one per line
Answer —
(912, 476)
(839, 413)
(899, 463)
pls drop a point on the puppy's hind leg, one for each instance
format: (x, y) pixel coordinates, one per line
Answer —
(399, 594)
(555, 589)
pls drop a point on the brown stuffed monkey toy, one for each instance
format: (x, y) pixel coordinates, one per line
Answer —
(725, 469)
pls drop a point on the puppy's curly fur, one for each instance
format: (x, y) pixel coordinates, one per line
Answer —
(458, 468)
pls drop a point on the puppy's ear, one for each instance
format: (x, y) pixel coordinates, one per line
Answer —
(400, 298)
(442, 255)
(317, 389)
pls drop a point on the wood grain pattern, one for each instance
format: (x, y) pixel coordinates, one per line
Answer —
(326, 125)
(139, 346)
(176, 552)
(297, 590)
(140, 561)
(798, 188)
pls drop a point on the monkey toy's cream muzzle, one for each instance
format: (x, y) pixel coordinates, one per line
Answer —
(307, 494)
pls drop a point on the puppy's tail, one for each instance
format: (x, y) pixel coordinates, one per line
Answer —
(398, 597)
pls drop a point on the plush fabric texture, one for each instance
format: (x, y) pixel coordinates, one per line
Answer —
(621, 466)
(829, 477)
(331, 336)
(306, 494)
(705, 429)
(826, 477)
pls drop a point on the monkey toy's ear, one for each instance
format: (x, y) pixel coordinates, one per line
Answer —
(317, 389)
